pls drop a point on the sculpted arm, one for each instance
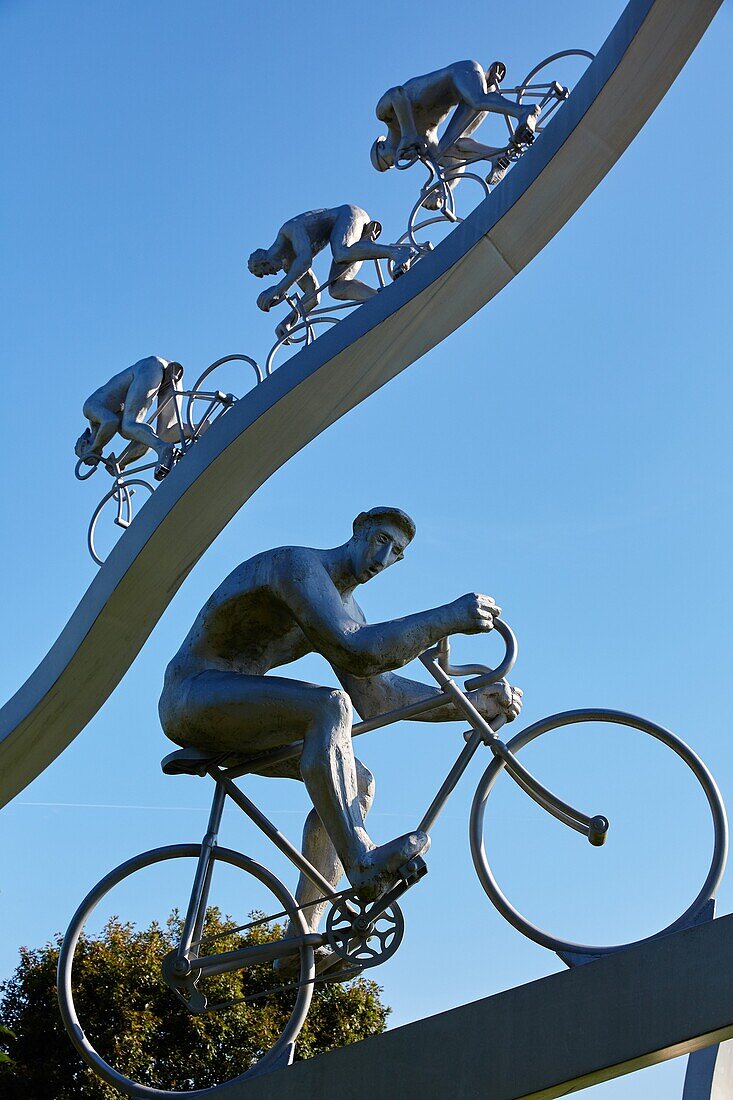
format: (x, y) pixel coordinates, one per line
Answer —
(375, 695)
(395, 109)
(299, 240)
(363, 649)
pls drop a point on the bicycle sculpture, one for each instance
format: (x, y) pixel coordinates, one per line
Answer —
(123, 406)
(236, 721)
(413, 113)
(353, 238)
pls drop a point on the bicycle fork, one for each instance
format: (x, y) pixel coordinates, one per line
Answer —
(595, 827)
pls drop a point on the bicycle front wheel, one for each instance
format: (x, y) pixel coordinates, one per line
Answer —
(619, 718)
(237, 1023)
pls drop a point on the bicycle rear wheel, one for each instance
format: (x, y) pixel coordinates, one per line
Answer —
(217, 389)
(119, 1053)
(567, 718)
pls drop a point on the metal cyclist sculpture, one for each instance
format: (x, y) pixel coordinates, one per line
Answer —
(413, 113)
(285, 603)
(179, 417)
(233, 718)
(352, 237)
(121, 406)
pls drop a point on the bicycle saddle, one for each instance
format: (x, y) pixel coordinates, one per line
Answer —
(191, 761)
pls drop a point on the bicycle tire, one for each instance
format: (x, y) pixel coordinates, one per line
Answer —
(565, 718)
(103, 1069)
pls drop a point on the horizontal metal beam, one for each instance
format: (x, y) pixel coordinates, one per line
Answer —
(542, 1040)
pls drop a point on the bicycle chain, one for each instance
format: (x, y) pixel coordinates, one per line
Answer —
(350, 892)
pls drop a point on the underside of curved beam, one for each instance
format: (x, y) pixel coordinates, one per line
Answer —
(631, 73)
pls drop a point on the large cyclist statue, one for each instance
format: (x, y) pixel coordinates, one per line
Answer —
(277, 607)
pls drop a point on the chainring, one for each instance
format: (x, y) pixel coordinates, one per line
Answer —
(361, 939)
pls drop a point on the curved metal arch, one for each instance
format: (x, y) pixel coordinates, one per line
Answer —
(613, 99)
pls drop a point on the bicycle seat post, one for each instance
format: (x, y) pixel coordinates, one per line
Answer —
(196, 913)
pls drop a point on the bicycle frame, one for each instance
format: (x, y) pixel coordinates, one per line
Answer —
(302, 329)
(437, 661)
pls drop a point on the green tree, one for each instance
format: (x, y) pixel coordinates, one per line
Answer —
(138, 1025)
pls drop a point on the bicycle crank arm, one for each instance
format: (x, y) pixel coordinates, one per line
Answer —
(251, 956)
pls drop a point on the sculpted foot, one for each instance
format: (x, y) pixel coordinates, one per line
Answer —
(527, 126)
(376, 870)
(498, 170)
(405, 254)
(165, 463)
(434, 201)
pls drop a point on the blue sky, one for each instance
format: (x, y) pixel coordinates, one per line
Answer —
(564, 451)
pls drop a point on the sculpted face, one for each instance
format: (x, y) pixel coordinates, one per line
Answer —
(375, 547)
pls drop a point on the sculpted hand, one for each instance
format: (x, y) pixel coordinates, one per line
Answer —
(495, 699)
(410, 149)
(269, 298)
(474, 613)
(285, 326)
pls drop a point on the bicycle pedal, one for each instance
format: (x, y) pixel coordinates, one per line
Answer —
(413, 871)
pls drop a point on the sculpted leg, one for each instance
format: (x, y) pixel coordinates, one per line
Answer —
(350, 247)
(470, 85)
(328, 768)
(138, 401)
(250, 714)
(319, 850)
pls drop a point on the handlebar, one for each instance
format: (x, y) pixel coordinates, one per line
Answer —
(87, 462)
(406, 160)
(482, 674)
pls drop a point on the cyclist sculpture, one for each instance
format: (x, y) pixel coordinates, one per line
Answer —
(275, 608)
(413, 112)
(352, 236)
(121, 407)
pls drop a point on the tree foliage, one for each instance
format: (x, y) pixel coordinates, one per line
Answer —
(136, 1023)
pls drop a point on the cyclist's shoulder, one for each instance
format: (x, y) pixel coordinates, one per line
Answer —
(281, 566)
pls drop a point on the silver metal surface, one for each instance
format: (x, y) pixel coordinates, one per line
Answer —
(362, 928)
(203, 407)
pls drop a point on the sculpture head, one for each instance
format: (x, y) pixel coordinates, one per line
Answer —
(173, 373)
(382, 154)
(83, 443)
(372, 231)
(380, 538)
(262, 263)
